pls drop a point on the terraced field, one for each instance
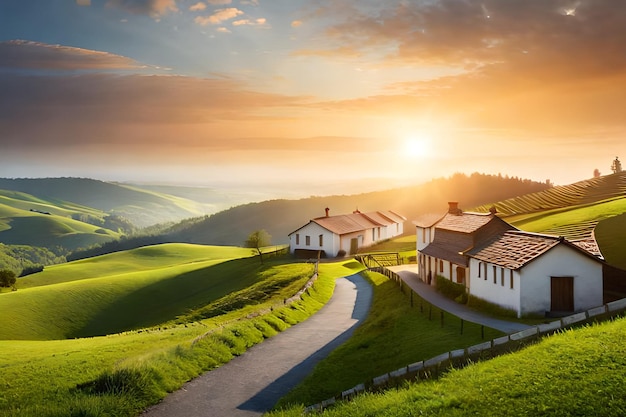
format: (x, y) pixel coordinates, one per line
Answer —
(580, 193)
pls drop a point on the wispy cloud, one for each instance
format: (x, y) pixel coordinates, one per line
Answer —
(199, 6)
(296, 23)
(248, 22)
(219, 2)
(219, 16)
(40, 56)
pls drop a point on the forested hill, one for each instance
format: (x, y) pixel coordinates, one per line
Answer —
(141, 207)
(281, 217)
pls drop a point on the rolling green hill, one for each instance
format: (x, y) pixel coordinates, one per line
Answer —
(46, 225)
(142, 207)
(122, 291)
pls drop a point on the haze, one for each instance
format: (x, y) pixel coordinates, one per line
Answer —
(310, 94)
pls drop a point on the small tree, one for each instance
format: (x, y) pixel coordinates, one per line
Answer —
(257, 240)
(596, 173)
(7, 278)
(616, 167)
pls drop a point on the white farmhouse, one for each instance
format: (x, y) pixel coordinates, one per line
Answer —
(536, 274)
(329, 235)
(529, 273)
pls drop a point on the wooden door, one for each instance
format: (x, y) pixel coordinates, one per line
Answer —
(354, 246)
(562, 294)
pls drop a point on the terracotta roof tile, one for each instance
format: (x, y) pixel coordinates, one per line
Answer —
(514, 249)
(464, 222)
(346, 223)
(428, 220)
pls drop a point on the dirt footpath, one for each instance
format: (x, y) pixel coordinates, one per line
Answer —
(252, 383)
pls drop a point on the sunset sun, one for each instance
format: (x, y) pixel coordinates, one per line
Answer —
(417, 147)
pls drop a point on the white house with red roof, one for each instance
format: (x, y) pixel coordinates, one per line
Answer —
(329, 235)
(529, 273)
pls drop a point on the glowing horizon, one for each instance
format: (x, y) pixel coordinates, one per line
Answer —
(256, 91)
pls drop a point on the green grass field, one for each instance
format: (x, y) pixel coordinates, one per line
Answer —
(611, 236)
(64, 377)
(21, 226)
(122, 291)
(394, 335)
(575, 373)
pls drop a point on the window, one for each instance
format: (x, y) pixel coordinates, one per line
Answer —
(321, 240)
(307, 240)
(511, 278)
(480, 267)
(485, 271)
(423, 235)
(502, 277)
(297, 239)
(495, 279)
(440, 265)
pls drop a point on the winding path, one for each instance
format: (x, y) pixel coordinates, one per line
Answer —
(409, 274)
(252, 383)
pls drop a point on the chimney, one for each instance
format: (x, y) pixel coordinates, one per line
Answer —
(453, 208)
(327, 211)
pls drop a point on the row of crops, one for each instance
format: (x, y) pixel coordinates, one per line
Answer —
(582, 192)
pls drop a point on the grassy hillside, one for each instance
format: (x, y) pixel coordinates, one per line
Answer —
(610, 234)
(573, 222)
(580, 193)
(576, 373)
(142, 207)
(125, 291)
(25, 227)
(121, 374)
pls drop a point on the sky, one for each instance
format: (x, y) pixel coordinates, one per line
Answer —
(311, 94)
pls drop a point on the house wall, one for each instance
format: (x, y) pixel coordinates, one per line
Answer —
(364, 238)
(483, 286)
(561, 261)
(424, 237)
(531, 292)
(330, 241)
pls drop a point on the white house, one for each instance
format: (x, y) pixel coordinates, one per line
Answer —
(329, 235)
(526, 272)
(441, 244)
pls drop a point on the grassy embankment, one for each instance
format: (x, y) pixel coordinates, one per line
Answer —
(578, 372)
(394, 335)
(121, 374)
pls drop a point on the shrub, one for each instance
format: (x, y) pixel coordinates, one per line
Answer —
(341, 253)
(490, 308)
(7, 278)
(451, 289)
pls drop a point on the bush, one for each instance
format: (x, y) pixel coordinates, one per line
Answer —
(451, 289)
(7, 278)
(490, 308)
(32, 269)
(341, 254)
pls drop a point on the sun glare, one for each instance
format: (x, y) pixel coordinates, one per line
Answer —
(417, 147)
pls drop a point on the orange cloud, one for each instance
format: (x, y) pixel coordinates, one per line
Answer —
(219, 16)
(199, 6)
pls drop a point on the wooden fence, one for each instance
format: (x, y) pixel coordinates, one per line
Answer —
(434, 367)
